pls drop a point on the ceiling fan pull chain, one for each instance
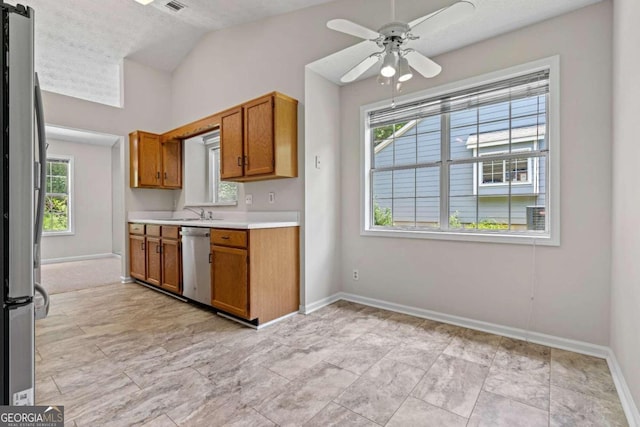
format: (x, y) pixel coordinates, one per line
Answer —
(393, 10)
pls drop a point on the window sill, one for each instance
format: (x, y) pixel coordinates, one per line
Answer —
(198, 205)
(57, 233)
(516, 239)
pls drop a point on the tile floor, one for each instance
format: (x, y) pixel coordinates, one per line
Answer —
(125, 355)
(72, 276)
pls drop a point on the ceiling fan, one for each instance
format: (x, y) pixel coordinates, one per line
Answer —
(394, 41)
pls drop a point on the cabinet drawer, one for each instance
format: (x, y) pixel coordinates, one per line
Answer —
(153, 230)
(136, 228)
(170, 231)
(223, 237)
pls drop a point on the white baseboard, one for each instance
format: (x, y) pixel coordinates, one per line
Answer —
(78, 258)
(626, 399)
(310, 308)
(507, 331)
(127, 279)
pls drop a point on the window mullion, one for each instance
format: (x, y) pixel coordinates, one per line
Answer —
(445, 156)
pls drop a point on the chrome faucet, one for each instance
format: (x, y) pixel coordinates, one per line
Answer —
(200, 214)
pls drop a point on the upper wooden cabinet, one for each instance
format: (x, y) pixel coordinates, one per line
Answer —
(259, 139)
(154, 163)
(232, 151)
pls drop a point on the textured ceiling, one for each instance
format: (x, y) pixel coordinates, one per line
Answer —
(491, 18)
(80, 44)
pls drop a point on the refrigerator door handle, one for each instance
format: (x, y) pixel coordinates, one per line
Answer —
(42, 311)
(42, 160)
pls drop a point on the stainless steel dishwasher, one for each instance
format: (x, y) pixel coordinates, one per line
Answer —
(195, 264)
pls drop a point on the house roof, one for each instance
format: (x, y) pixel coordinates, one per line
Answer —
(501, 137)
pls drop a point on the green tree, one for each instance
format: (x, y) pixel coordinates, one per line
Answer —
(382, 216)
(384, 132)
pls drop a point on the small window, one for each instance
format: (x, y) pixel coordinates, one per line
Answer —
(504, 172)
(57, 208)
(219, 191)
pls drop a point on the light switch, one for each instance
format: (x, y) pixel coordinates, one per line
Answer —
(317, 162)
(272, 197)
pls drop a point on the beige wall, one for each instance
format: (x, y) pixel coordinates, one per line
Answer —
(91, 202)
(625, 307)
(147, 99)
(492, 282)
(322, 189)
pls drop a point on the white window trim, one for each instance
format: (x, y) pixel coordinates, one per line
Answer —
(478, 172)
(71, 231)
(553, 161)
(211, 145)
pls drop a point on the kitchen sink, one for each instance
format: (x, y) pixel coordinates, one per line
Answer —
(195, 219)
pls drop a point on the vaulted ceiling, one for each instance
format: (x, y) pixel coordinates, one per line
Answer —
(80, 44)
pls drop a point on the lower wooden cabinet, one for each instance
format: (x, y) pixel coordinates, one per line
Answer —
(154, 261)
(229, 280)
(156, 256)
(171, 263)
(137, 256)
(254, 273)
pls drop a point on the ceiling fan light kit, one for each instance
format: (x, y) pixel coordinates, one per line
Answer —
(396, 40)
(144, 2)
(404, 71)
(388, 68)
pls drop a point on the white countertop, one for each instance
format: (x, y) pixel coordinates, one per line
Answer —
(237, 220)
(244, 225)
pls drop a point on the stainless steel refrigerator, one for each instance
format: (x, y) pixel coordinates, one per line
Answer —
(22, 168)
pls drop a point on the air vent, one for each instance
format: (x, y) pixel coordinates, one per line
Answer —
(175, 6)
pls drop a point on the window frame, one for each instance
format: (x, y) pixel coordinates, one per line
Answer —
(552, 183)
(212, 145)
(71, 200)
(479, 172)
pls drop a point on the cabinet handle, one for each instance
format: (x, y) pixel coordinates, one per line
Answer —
(210, 257)
(225, 237)
(158, 176)
(239, 160)
(142, 246)
(157, 249)
(246, 161)
(165, 175)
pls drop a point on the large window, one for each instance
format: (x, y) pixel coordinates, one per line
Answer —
(57, 208)
(465, 162)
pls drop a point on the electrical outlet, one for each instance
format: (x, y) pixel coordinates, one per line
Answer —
(248, 199)
(356, 275)
(272, 197)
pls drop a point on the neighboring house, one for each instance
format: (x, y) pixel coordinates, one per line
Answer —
(495, 192)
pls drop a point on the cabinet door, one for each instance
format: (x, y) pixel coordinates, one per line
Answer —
(154, 262)
(258, 137)
(149, 159)
(231, 157)
(137, 257)
(229, 280)
(172, 164)
(171, 273)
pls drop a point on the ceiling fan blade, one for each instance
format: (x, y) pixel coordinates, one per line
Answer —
(351, 28)
(442, 18)
(423, 65)
(359, 69)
